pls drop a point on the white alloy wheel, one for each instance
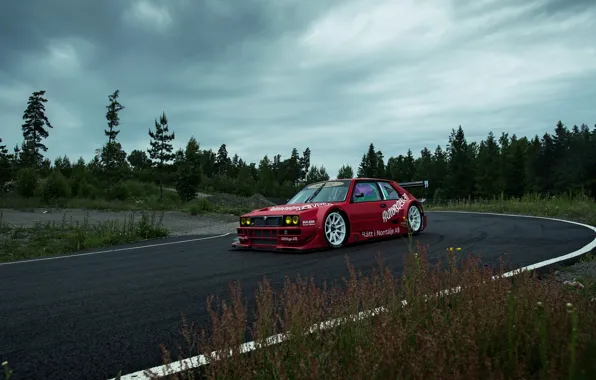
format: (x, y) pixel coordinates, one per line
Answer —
(335, 229)
(414, 219)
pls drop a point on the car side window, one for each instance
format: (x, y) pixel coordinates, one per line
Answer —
(366, 192)
(388, 190)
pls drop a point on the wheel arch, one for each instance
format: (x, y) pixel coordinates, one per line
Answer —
(323, 215)
(418, 204)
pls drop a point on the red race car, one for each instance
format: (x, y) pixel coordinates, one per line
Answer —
(333, 214)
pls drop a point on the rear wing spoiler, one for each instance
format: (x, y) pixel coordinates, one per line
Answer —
(415, 184)
(405, 185)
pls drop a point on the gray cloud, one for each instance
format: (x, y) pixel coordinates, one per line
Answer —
(264, 76)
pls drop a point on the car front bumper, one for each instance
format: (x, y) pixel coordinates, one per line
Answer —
(278, 238)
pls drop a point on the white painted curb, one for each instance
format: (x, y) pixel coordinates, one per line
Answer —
(200, 360)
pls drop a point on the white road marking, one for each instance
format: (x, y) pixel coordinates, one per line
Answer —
(67, 256)
(200, 360)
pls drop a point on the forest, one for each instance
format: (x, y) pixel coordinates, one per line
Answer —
(562, 160)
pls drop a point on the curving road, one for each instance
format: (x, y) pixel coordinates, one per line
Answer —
(86, 317)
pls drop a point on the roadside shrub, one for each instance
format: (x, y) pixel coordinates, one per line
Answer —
(49, 239)
(55, 187)
(201, 206)
(87, 190)
(26, 182)
(187, 183)
(119, 191)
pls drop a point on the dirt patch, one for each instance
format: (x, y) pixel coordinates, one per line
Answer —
(178, 223)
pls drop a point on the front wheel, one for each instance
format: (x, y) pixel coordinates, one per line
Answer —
(414, 219)
(335, 229)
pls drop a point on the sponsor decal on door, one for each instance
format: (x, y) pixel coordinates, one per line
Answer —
(395, 208)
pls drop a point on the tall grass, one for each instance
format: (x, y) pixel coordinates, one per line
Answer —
(508, 328)
(51, 238)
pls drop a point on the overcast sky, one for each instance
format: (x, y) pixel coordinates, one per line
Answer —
(264, 76)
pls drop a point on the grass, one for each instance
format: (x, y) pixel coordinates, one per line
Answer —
(508, 328)
(573, 207)
(50, 239)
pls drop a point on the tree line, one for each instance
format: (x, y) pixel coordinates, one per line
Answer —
(509, 166)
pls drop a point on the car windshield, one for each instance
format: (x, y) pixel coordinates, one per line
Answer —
(331, 191)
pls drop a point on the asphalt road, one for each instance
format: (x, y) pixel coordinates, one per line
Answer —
(87, 317)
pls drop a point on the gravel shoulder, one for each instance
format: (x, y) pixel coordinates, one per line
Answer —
(179, 223)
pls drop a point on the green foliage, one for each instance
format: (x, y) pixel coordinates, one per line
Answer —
(499, 166)
(113, 116)
(112, 157)
(161, 147)
(6, 170)
(52, 239)
(26, 182)
(187, 183)
(35, 121)
(55, 187)
(316, 174)
(345, 172)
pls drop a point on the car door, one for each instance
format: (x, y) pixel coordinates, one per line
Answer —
(394, 205)
(366, 208)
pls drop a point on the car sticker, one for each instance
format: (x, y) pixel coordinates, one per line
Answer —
(298, 208)
(386, 232)
(395, 208)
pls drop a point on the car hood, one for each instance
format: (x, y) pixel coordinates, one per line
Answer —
(285, 209)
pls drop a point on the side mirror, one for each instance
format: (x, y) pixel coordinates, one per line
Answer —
(359, 195)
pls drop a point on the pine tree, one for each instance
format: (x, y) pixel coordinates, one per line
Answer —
(304, 164)
(345, 172)
(34, 129)
(112, 154)
(461, 176)
(161, 147)
(222, 161)
(6, 172)
(113, 116)
(488, 174)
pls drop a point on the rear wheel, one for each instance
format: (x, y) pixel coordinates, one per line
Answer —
(414, 219)
(335, 229)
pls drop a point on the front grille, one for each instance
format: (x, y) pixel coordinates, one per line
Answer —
(270, 221)
(262, 233)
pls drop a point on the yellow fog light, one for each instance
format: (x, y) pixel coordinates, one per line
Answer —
(243, 221)
(288, 220)
(295, 219)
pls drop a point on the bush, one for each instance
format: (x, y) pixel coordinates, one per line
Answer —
(49, 239)
(55, 187)
(119, 191)
(187, 183)
(201, 206)
(26, 182)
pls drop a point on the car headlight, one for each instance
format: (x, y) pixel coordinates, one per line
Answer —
(291, 220)
(245, 221)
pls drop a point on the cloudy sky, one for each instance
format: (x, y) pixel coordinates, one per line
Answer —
(264, 76)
